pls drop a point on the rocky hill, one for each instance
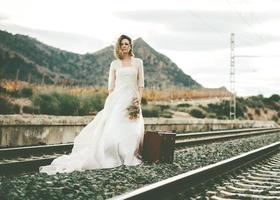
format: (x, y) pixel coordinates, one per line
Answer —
(33, 60)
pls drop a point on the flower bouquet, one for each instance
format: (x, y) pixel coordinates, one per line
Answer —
(134, 109)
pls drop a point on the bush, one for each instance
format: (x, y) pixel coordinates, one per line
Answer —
(184, 105)
(274, 98)
(166, 114)
(5, 106)
(30, 109)
(2, 90)
(150, 111)
(257, 111)
(68, 104)
(240, 109)
(26, 92)
(221, 110)
(164, 107)
(250, 116)
(255, 102)
(274, 118)
(8, 108)
(198, 113)
(90, 104)
(144, 101)
(47, 103)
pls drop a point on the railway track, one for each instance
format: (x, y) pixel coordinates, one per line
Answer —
(261, 182)
(26, 159)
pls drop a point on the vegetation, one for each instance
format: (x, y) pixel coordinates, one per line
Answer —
(198, 113)
(74, 100)
(8, 108)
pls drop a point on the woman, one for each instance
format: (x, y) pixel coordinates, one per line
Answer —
(113, 138)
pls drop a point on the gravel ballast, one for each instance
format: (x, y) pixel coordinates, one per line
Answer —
(105, 183)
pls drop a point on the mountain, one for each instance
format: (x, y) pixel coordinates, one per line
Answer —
(30, 57)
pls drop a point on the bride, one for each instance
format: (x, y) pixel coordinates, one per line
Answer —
(112, 138)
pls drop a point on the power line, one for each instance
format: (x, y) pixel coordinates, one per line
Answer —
(258, 56)
(244, 20)
(192, 13)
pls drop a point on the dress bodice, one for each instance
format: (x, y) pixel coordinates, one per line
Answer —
(126, 76)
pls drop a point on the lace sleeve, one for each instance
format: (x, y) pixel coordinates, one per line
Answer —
(141, 74)
(112, 77)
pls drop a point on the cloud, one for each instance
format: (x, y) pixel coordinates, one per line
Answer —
(67, 41)
(198, 20)
(3, 17)
(200, 30)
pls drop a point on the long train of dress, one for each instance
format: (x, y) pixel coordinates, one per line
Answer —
(111, 139)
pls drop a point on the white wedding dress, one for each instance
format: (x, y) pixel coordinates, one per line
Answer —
(111, 139)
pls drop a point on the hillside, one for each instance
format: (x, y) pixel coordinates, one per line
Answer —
(34, 60)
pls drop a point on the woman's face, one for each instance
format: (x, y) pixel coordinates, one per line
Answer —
(125, 46)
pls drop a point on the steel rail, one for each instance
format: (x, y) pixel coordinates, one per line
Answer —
(19, 159)
(169, 188)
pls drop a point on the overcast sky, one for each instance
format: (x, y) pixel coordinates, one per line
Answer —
(195, 34)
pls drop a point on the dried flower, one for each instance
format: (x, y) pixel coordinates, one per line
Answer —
(134, 109)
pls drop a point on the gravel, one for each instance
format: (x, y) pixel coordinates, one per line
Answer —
(105, 183)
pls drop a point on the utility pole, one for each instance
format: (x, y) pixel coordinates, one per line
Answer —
(232, 104)
(29, 77)
(43, 79)
(17, 75)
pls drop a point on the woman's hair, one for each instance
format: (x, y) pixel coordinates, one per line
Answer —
(118, 46)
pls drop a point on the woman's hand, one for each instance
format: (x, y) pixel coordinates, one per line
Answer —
(136, 102)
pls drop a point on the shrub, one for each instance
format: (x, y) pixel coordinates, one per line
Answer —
(274, 118)
(255, 101)
(274, 98)
(144, 101)
(30, 109)
(164, 107)
(47, 103)
(240, 109)
(250, 116)
(184, 105)
(2, 90)
(16, 109)
(8, 108)
(150, 111)
(68, 104)
(91, 104)
(166, 114)
(198, 113)
(26, 92)
(257, 111)
(221, 110)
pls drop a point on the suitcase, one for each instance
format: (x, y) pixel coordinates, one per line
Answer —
(158, 147)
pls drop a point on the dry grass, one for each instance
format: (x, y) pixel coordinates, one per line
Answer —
(149, 94)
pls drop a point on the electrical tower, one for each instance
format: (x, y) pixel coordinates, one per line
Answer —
(232, 102)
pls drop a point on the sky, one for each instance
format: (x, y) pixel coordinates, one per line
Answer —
(194, 34)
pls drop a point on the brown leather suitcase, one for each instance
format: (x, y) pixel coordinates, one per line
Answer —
(159, 147)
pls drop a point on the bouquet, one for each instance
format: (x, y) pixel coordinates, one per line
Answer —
(134, 109)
